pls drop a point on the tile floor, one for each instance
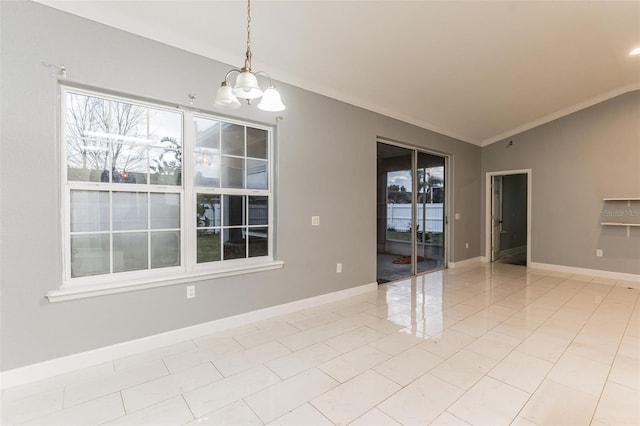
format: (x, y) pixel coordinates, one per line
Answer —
(488, 345)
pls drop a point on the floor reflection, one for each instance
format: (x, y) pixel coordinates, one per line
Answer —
(492, 344)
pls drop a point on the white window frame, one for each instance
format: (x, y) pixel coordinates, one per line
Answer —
(189, 270)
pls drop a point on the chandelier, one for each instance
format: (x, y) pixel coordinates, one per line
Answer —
(246, 86)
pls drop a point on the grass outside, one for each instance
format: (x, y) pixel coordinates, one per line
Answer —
(208, 247)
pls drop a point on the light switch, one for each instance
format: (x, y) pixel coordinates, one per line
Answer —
(315, 220)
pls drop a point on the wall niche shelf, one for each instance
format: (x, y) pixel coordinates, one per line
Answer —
(624, 224)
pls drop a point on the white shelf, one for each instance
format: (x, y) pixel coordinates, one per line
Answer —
(626, 225)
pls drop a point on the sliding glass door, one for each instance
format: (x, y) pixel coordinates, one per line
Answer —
(395, 213)
(410, 212)
(430, 210)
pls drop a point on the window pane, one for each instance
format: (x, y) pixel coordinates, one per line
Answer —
(258, 242)
(234, 210)
(165, 249)
(89, 255)
(130, 163)
(165, 157)
(258, 210)
(208, 210)
(206, 169)
(256, 143)
(232, 139)
(208, 245)
(257, 174)
(87, 165)
(207, 152)
(165, 164)
(88, 155)
(165, 126)
(89, 211)
(122, 120)
(129, 210)
(165, 211)
(102, 137)
(234, 244)
(108, 141)
(207, 134)
(130, 252)
(232, 172)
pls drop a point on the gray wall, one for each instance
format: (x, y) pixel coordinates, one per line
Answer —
(577, 161)
(326, 166)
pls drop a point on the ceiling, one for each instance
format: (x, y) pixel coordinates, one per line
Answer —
(478, 71)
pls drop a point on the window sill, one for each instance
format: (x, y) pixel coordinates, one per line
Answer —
(70, 292)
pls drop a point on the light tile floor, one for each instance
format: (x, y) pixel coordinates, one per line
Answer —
(487, 345)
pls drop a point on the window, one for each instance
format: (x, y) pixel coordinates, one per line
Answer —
(135, 175)
(231, 190)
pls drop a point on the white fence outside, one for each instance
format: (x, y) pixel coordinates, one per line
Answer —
(430, 217)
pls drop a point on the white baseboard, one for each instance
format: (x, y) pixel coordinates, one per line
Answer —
(467, 262)
(633, 278)
(66, 364)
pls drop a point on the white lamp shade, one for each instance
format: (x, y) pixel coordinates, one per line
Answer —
(271, 100)
(225, 98)
(247, 86)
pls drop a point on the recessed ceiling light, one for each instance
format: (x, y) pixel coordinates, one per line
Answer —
(635, 51)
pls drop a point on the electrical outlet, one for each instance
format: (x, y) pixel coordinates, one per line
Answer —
(315, 220)
(191, 291)
(466, 245)
(598, 253)
(339, 268)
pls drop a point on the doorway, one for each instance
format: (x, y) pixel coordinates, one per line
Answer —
(411, 219)
(509, 217)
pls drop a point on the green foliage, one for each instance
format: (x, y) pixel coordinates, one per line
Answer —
(170, 161)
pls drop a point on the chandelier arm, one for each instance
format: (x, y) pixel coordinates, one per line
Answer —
(266, 74)
(226, 77)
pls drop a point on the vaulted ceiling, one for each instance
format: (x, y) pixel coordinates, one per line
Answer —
(475, 70)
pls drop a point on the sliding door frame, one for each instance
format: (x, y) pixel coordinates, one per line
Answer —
(414, 198)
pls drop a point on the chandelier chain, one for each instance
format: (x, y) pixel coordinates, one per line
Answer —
(249, 32)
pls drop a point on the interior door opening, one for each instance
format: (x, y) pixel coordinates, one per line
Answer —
(411, 219)
(509, 218)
